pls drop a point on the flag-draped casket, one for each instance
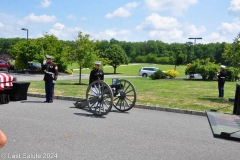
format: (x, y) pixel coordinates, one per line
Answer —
(5, 85)
(5, 81)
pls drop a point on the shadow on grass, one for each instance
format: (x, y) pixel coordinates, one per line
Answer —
(201, 80)
(112, 73)
(72, 84)
(215, 99)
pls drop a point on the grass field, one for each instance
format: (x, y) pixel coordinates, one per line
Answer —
(193, 95)
(133, 69)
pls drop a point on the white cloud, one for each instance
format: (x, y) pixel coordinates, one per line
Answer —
(59, 26)
(63, 32)
(192, 30)
(157, 22)
(123, 11)
(84, 19)
(166, 35)
(161, 27)
(58, 30)
(175, 6)
(1, 25)
(213, 38)
(72, 17)
(112, 33)
(45, 3)
(9, 31)
(230, 28)
(38, 19)
(234, 8)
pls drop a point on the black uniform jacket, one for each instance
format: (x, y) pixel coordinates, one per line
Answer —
(52, 68)
(222, 76)
(95, 75)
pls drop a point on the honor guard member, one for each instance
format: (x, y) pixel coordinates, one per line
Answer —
(51, 75)
(96, 74)
(221, 80)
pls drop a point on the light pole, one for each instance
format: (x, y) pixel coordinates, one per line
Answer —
(195, 40)
(25, 29)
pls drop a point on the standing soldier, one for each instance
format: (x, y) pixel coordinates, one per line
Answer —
(51, 75)
(221, 81)
(96, 74)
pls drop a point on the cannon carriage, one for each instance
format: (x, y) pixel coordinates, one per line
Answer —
(101, 97)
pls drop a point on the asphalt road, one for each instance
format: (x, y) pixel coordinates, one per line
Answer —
(40, 129)
(29, 77)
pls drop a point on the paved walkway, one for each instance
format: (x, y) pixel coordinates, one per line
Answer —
(40, 129)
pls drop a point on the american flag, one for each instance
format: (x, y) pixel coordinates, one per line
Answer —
(5, 81)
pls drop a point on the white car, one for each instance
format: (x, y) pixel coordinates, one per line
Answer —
(147, 71)
(194, 76)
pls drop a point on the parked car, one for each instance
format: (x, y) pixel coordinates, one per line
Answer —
(3, 65)
(199, 76)
(147, 71)
(33, 66)
(194, 76)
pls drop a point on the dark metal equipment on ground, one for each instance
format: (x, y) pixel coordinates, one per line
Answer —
(100, 97)
(223, 125)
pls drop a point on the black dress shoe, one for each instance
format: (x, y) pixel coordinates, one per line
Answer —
(46, 102)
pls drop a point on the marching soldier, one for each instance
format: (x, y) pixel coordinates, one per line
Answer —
(51, 75)
(96, 74)
(221, 80)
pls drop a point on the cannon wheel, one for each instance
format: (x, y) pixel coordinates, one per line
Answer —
(126, 98)
(99, 98)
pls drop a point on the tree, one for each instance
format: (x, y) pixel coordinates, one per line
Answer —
(232, 52)
(180, 59)
(38, 48)
(84, 53)
(24, 52)
(116, 55)
(151, 58)
(51, 45)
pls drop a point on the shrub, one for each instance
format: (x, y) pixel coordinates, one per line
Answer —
(158, 75)
(172, 73)
(206, 68)
(141, 59)
(232, 74)
(68, 71)
(151, 58)
(163, 60)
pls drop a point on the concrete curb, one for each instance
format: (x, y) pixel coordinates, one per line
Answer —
(140, 106)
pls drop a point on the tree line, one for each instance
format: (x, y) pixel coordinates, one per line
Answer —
(150, 51)
(164, 53)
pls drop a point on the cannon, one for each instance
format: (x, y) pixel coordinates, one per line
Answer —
(101, 97)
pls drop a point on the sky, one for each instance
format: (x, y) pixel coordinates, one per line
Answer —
(169, 21)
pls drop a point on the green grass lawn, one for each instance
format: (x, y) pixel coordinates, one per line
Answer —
(133, 69)
(193, 95)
